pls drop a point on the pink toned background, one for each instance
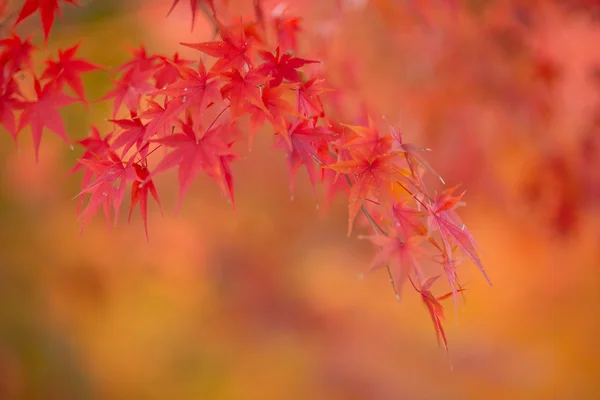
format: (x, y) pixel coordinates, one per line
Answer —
(265, 303)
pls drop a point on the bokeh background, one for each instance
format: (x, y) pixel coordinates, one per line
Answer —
(265, 303)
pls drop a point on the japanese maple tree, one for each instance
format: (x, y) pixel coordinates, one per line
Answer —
(174, 113)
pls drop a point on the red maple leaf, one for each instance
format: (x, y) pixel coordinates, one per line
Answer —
(241, 90)
(133, 133)
(287, 31)
(435, 308)
(374, 177)
(281, 67)
(274, 108)
(108, 188)
(166, 70)
(67, 70)
(95, 147)
(8, 105)
(192, 90)
(308, 144)
(140, 60)
(193, 153)
(16, 53)
(412, 153)
(48, 9)
(160, 125)
(233, 51)
(43, 113)
(139, 194)
(308, 100)
(401, 255)
(129, 89)
(367, 141)
(443, 218)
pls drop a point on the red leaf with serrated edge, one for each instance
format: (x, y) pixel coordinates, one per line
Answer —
(307, 141)
(367, 141)
(108, 188)
(233, 51)
(139, 194)
(287, 31)
(281, 67)
(241, 90)
(308, 100)
(401, 255)
(452, 230)
(435, 308)
(129, 89)
(277, 109)
(43, 113)
(8, 105)
(133, 133)
(166, 70)
(160, 125)
(67, 70)
(48, 9)
(16, 54)
(140, 60)
(412, 152)
(193, 90)
(374, 177)
(192, 154)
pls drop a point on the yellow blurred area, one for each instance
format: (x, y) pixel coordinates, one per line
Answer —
(265, 302)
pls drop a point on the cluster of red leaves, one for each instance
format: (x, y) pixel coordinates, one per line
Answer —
(196, 111)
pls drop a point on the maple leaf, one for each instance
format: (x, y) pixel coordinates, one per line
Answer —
(408, 219)
(108, 188)
(233, 51)
(412, 153)
(192, 154)
(241, 90)
(134, 132)
(140, 60)
(400, 254)
(287, 31)
(155, 113)
(367, 142)
(194, 7)
(95, 147)
(274, 109)
(43, 113)
(48, 9)
(435, 308)
(308, 143)
(166, 70)
(281, 67)
(8, 105)
(374, 176)
(129, 89)
(16, 53)
(452, 230)
(308, 100)
(67, 70)
(139, 194)
(193, 90)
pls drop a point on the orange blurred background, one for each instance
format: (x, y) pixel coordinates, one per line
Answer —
(265, 302)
